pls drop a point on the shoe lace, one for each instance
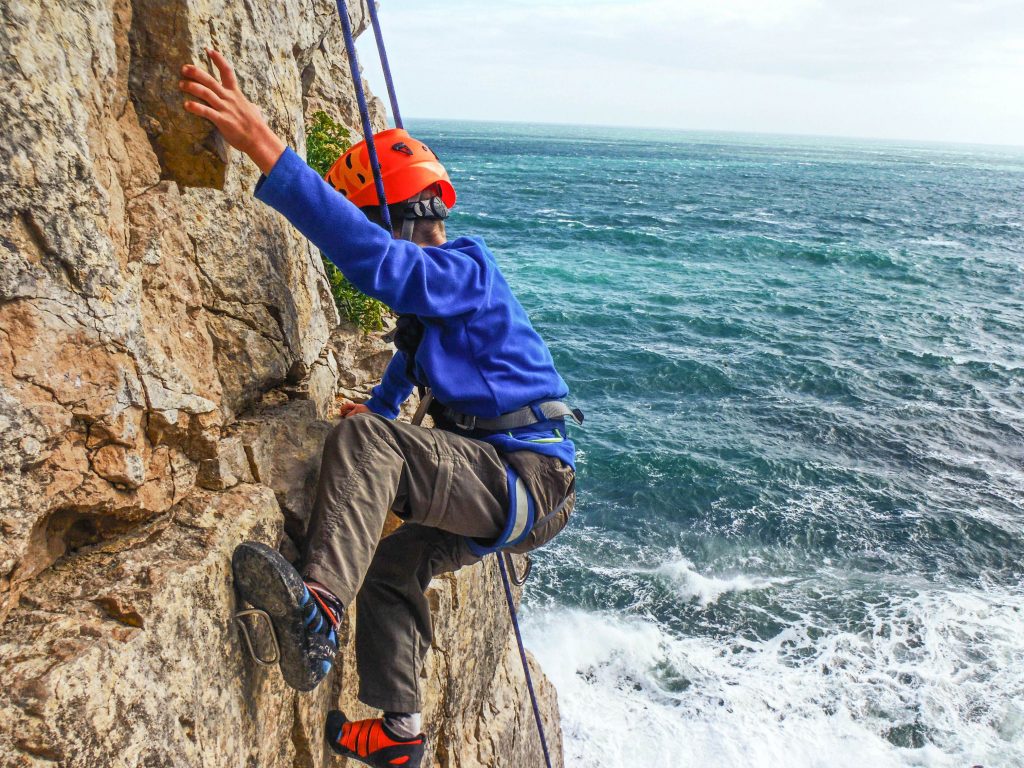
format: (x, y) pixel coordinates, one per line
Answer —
(327, 617)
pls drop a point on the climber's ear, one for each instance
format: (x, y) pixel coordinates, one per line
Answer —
(227, 72)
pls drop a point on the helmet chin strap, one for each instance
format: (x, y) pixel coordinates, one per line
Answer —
(408, 225)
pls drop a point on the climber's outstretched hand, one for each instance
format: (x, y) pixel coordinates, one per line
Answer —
(223, 104)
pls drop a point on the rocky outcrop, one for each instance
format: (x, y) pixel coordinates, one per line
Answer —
(168, 358)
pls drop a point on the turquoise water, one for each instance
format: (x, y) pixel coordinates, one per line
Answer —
(799, 535)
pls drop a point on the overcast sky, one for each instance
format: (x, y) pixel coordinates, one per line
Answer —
(948, 70)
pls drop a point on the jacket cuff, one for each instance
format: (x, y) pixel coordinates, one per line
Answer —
(271, 186)
(381, 408)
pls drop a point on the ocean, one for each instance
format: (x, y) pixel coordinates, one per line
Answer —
(799, 538)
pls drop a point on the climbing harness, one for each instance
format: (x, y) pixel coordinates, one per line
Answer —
(522, 514)
(548, 410)
(407, 336)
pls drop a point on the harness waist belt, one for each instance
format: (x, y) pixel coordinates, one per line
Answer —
(524, 417)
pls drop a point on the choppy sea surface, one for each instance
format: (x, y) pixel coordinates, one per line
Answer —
(800, 533)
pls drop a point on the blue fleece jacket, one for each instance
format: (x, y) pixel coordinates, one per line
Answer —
(479, 353)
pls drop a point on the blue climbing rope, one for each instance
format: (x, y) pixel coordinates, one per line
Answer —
(372, 7)
(364, 111)
(364, 114)
(522, 655)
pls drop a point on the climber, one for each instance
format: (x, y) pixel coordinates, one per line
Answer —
(498, 474)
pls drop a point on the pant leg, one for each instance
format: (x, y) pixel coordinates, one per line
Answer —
(370, 465)
(446, 486)
(393, 623)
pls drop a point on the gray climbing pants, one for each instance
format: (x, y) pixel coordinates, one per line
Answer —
(444, 486)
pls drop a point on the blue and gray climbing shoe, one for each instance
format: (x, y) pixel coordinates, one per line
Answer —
(304, 622)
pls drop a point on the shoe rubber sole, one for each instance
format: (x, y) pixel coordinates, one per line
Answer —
(269, 582)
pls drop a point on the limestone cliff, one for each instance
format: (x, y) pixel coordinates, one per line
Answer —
(168, 357)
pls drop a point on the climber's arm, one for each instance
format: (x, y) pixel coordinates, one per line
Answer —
(430, 282)
(393, 390)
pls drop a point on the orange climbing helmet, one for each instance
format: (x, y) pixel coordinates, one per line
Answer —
(407, 165)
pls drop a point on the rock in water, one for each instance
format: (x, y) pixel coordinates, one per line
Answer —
(166, 364)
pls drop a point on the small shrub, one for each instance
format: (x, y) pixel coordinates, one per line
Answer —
(367, 314)
(326, 141)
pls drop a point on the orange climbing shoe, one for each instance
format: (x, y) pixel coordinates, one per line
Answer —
(370, 742)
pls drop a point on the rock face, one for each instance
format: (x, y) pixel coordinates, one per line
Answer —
(168, 357)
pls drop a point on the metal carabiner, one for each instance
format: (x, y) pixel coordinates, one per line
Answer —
(514, 574)
(257, 613)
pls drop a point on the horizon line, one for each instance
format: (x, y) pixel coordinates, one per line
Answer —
(732, 131)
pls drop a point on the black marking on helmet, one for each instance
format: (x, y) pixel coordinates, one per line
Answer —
(403, 148)
(362, 179)
(348, 161)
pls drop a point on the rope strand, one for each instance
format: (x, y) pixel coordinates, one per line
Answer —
(364, 111)
(379, 37)
(522, 655)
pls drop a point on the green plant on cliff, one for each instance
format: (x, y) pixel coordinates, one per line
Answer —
(326, 141)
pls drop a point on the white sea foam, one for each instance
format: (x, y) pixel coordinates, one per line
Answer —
(950, 666)
(693, 585)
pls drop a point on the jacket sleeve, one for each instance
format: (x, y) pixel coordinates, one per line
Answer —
(394, 389)
(431, 282)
